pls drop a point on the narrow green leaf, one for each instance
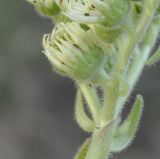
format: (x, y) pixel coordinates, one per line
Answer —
(154, 58)
(83, 149)
(100, 145)
(126, 132)
(81, 117)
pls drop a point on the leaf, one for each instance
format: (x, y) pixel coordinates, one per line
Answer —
(100, 144)
(126, 132)
(154, 58)
(83, 149)
(81, 117)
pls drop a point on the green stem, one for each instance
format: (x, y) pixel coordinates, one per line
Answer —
(134, 73)
(125, 54)
(138, 64)
(110, 99)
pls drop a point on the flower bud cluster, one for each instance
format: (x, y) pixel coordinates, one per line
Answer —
(81, 49)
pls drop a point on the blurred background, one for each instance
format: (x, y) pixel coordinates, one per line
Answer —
(36, 105)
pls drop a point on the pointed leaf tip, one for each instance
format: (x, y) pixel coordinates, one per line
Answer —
(83, 150)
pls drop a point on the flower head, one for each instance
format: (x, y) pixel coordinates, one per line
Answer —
(74, 51)
(107, 12)
(80, 11)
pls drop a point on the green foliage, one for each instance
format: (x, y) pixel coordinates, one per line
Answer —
(125, 133)
(101, 139)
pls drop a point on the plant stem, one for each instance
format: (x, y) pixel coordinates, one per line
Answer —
(133, 76)
(138, 64)
(110, 99)
(140, 59)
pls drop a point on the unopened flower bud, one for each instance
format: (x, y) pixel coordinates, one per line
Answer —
(108, 12)
(74, 52)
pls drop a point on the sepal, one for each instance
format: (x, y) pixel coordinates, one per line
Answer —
(125, 134)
